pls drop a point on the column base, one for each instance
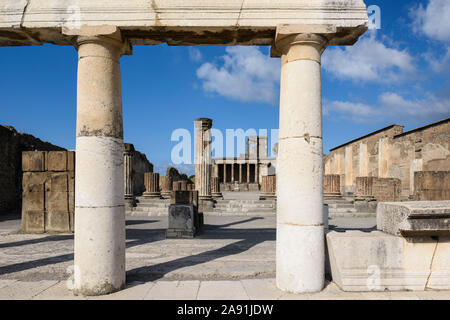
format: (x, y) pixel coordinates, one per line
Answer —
(300, 268)
(267, 196)
(205, 203)
(166, 194)
(332, 195)
(152, 195)
(217, 195)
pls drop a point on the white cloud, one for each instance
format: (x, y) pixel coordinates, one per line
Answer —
(368, 60)
(246, 74)
(434, 20)
(195, 55)
(392, 106)
(439, 64)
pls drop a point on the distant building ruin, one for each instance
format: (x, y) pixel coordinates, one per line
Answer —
(245, 172)
(418, 159)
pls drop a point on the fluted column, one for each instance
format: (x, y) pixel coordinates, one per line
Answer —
(128, 175)
(99, 249)
(240, 172)
(166, 186)
(151, 181)
(203, 162)
(300, 248)
(215, 188)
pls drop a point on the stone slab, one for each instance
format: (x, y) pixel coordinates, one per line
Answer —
(414, 218)
(222, 290)
(33, 161)
(377, 261)
(174, 290)
(24, 290)
(183, 22)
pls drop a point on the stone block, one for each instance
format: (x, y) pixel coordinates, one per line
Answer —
(33, 161)
(414, 218)
(70, 160)
(182, 221)
(377, 261)
(56, 161)
(33, 198)
(57, 221)
(185, 197)
(57, 201)
(33, 221)
(58, 182)
(431, 185)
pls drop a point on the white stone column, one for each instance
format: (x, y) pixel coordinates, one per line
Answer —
(203, 162)
(300, 247)
(99, 187)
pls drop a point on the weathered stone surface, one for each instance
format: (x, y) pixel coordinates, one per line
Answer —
(392, 153)
(56, 161)
(414, 218)
(179, 22)
(378, 261)
(431, 185)
(33, 161)
(268, 187)
(151, 181)
(332, 185)
(380, 189)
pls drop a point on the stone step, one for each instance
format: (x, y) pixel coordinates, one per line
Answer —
(346, 205)
(153, 205)
(341, 210)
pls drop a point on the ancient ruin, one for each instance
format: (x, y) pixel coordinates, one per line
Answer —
(386, 165)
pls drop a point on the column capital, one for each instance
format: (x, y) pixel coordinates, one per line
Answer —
(107, 35)
(203, 123)
(301, 42)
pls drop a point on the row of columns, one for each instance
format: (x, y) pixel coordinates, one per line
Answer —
(99, 208)
(224, 177)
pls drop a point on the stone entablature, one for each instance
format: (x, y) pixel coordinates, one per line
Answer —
(179, 22)
(391, 153)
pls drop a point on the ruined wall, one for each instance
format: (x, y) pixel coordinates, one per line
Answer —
(357, 158)
(381, 189)
(12, 143)
(390, 153)
(432, 185)
(141, 165)
(48, 198)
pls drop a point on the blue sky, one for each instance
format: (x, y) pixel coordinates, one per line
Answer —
(398, 74)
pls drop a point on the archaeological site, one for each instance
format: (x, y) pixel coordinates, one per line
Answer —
(286, 218)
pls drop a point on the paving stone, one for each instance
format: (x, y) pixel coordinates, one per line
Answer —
(261, 289)
(222, 290)
(60, 291)
(174, 290)
(133, 291)
(22, 290)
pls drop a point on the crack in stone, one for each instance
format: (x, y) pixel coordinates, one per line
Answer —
(431, 264)
(23, 14)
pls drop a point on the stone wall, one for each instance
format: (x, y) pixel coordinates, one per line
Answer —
(48, 198)
(432, 185)
(391, 153)
(141, 165)
(12, 143)
(381, 189)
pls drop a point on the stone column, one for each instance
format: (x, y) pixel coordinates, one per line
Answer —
(203, 162)
(232, 172)
(331, 186)
(240, 172)
(215, 188)
(151, 181)
(300, 247)
(257, 173)
(128, 173)
(99, 189)
(268, 188)
(166, 186)
(248, 172)
(224, 173)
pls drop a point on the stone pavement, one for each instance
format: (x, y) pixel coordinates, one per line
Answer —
(234, 258)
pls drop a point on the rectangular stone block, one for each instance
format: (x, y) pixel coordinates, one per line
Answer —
(414, 218)
(58, 182)
(181, 217)
(70, 160)
(431, 185)
(33, 221)
(57, 221)
(377, 261)
(33, 161)
(33, 198)
(184, 197)
(56, 161)
(57, 201)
